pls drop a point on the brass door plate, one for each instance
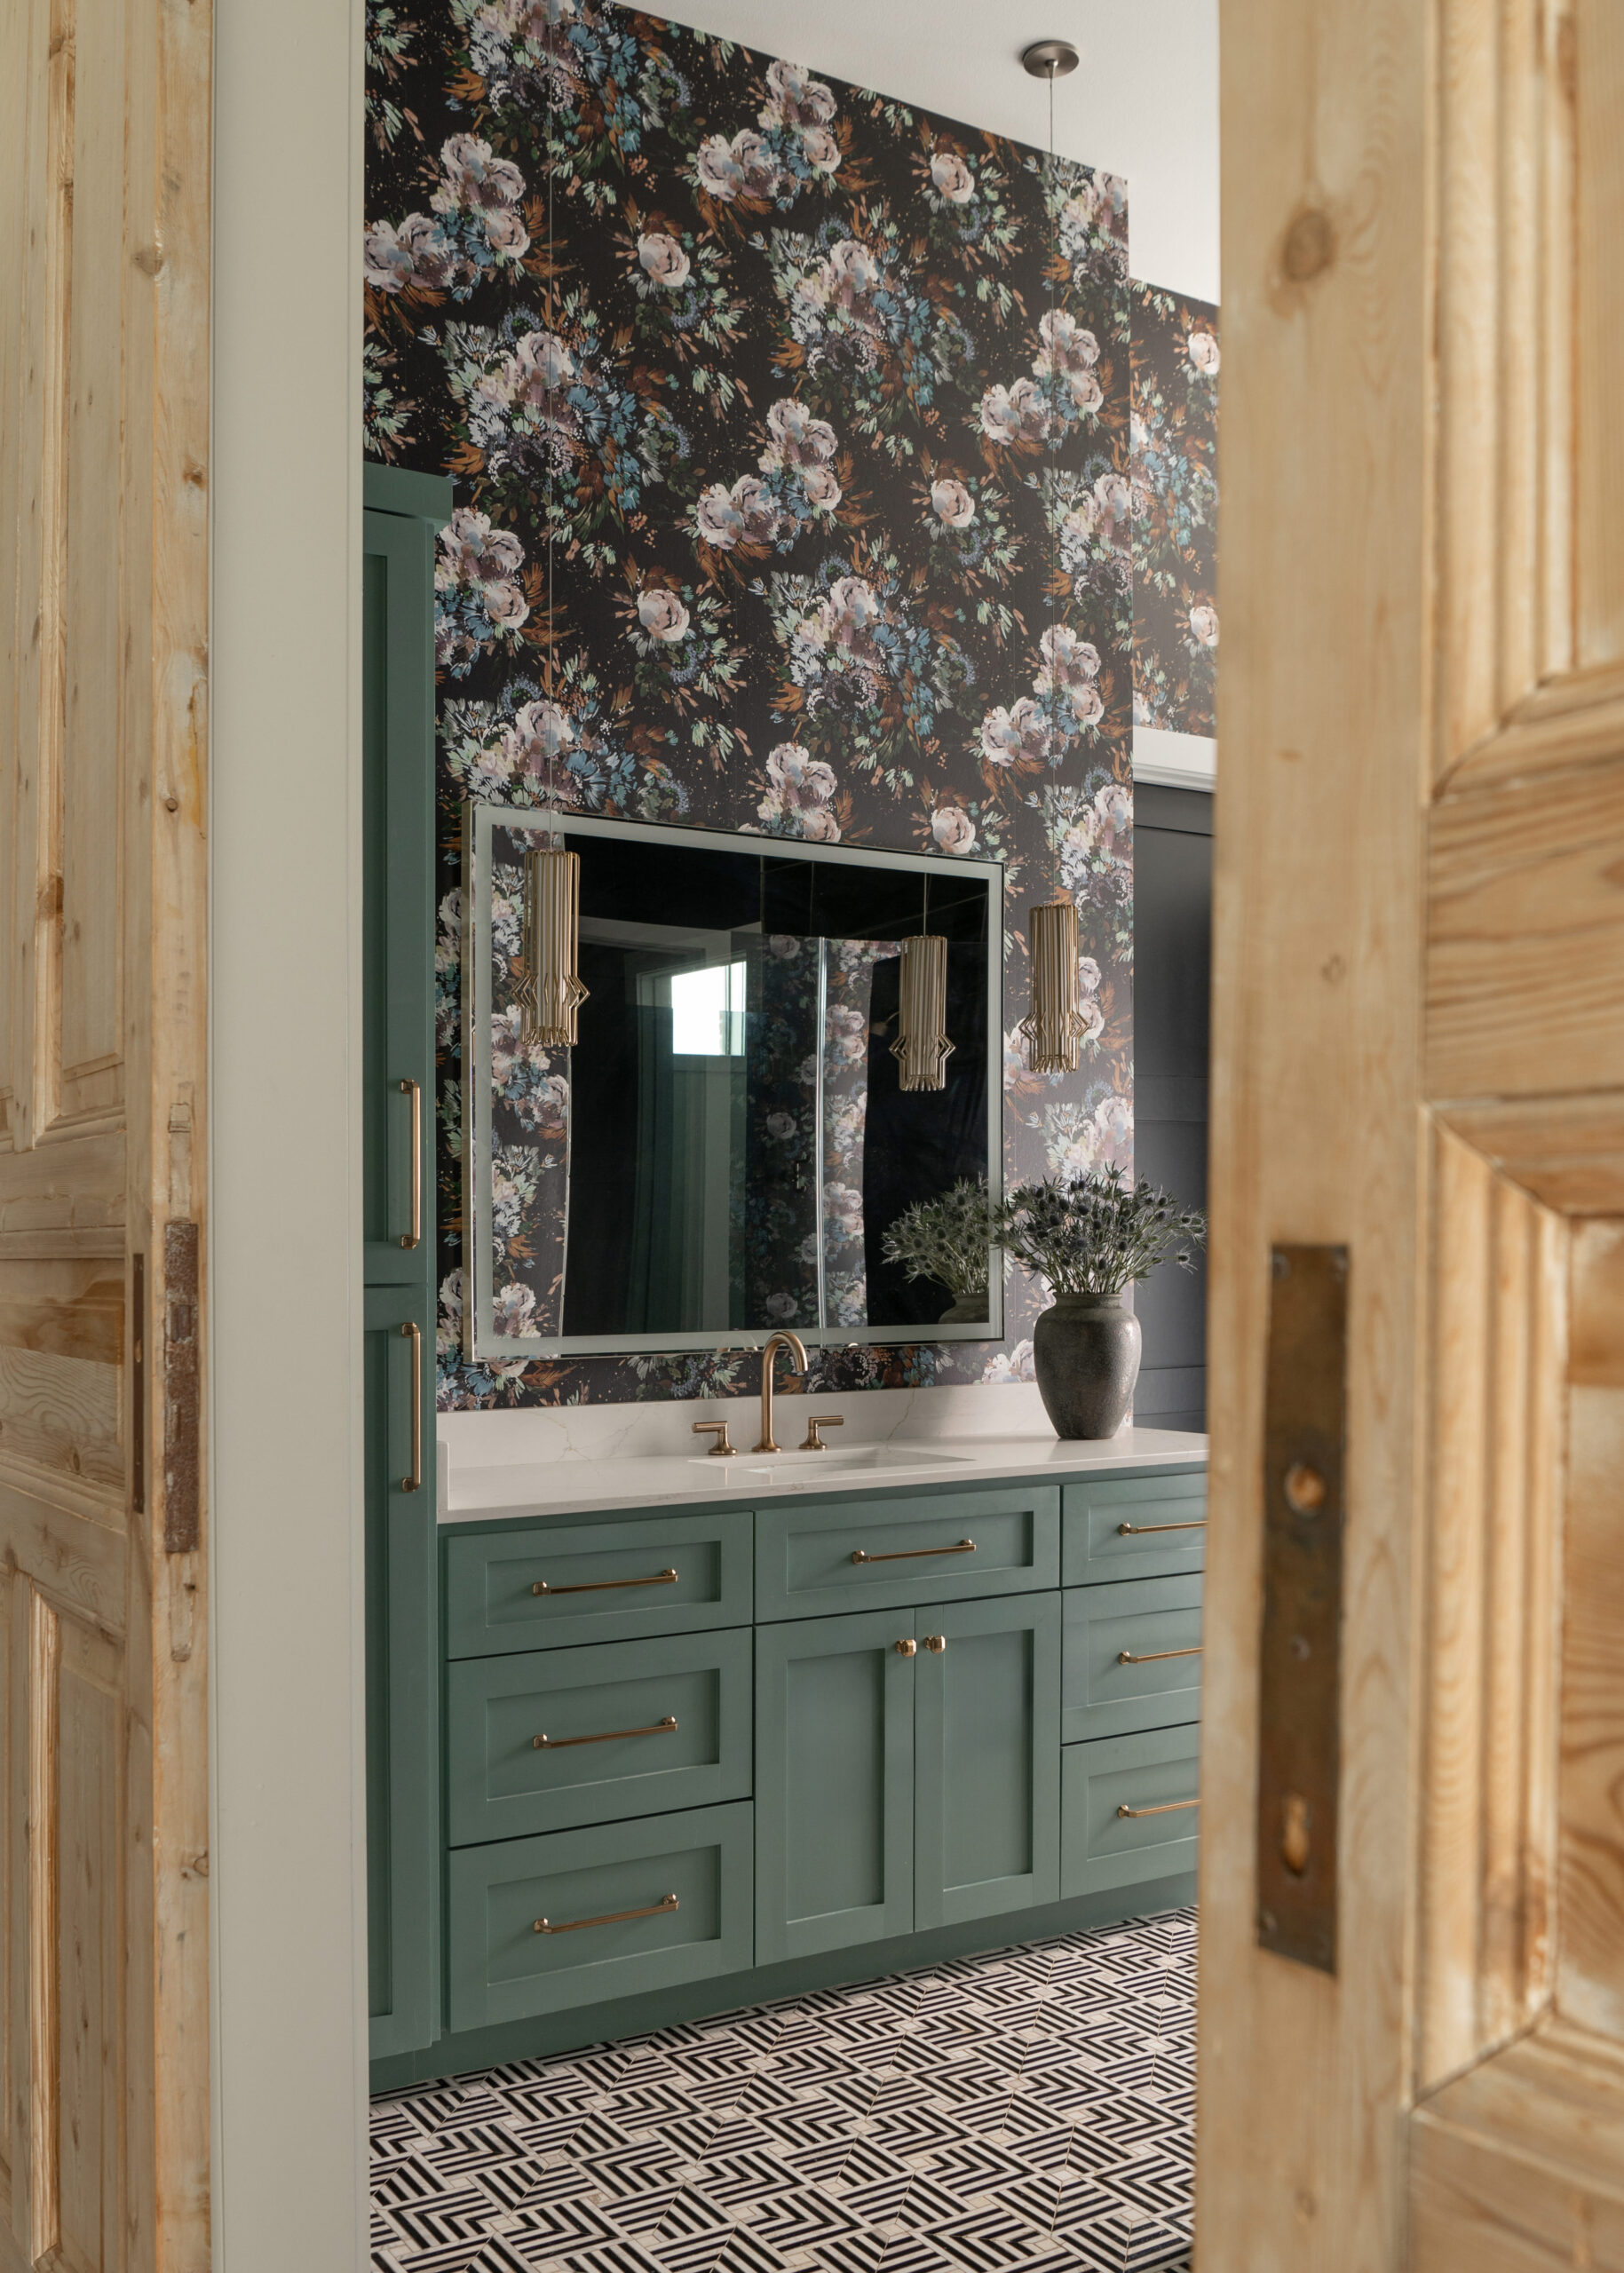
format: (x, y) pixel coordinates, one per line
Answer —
(1300, 1660)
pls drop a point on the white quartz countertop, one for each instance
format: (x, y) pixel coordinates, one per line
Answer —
(473, 1492)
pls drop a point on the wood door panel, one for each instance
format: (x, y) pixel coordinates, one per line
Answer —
(1419, 997)
(104, 500)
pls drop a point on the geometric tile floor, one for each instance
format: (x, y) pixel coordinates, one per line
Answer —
(1030, 2111)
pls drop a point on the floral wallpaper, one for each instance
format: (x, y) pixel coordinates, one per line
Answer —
(820, 405)
(1175, 511)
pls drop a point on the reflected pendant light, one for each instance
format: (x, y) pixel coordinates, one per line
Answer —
(1055, 1027)
(922, 1048)
(550, 991)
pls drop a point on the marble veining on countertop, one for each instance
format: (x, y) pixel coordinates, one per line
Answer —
(686, 1477)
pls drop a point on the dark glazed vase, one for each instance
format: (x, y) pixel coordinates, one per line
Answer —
(1085, 1352)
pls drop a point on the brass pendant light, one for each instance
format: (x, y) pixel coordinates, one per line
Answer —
(1055, 1026)
(550, 991)
(922, 1048)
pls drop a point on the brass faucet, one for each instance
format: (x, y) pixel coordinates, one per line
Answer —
(782, 1340)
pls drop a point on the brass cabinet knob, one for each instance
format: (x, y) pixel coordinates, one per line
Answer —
(937, 1642)
(907, 1649)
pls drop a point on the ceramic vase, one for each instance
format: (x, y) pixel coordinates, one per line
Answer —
(965, 1309)
(1085, 1352)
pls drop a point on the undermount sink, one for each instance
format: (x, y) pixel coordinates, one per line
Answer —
(800, 1468)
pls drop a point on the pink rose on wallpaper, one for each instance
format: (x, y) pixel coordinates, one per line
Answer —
(780, 1126)
(719, 171)
(1087, 707)
(1066, 346)
(513, 1309)
(1068, 660)
(1204, 351)
(415, 253)
(822, 490)
(471, 552)
(953, 178)
(800, 779)
(1204, 623)
(795, 99)
(718, 519)
(505, 605)
(539, 737)
(662, 615)
(819, 149)
(1113, 508)
(797, 438)
(474, 180)
(1020, 733)
(953, 830)
(820, 826)
(745, 514)
(854, 608)
(540, 367)
(757, 164)
(664, 260)
(850, 276)
(952, 504)
(1086, 392)
(1017, 413)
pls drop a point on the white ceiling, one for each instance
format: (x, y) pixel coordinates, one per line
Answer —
(1144, 103)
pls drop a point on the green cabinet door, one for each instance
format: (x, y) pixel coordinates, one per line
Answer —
(834, 1782)
(986, 1761)
(403, 1701)
(404, 512)
(397, 899)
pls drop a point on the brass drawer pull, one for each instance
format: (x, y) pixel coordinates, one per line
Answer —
(907, 1554)
(666, 1728)
(1167, 1807)
(605, 1586)
(610, 1918)
(1144, 1530)
(414, 1334)
(1154, 1657)
(414, 1237)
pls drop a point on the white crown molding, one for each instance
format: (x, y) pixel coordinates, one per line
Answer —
(1175, 761)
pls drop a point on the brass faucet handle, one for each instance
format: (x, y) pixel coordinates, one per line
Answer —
(721, 1449)
(813, 1442)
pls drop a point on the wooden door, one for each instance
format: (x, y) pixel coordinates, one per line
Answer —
(834, 1781)
(104, 504)
(987, 1758)
(1419, 1020)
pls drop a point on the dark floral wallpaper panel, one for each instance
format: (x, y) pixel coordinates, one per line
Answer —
(790, 432)
(1176, 359)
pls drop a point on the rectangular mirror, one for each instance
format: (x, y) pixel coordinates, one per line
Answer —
(725, 1146)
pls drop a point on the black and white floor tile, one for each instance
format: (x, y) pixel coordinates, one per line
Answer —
(1027, 2112)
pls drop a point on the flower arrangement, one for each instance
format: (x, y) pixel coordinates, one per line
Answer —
(946, 1238)
(1095, 1233)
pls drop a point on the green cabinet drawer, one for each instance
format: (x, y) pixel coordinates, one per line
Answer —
(1128, 1809)
(1134, 1527)
(870, 1551)
(633, 1728)
(629, 1907)
(535, 1586)
(1156, 1626)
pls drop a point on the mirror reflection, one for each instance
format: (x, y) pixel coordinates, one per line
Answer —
(726, 1147)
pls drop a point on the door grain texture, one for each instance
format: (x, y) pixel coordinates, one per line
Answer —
(104, 1241)
(1419, 1053)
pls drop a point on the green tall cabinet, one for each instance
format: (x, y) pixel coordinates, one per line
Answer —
(403, 514)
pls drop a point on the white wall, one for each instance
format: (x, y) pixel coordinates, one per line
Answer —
(289, 2050)
(1144, 102)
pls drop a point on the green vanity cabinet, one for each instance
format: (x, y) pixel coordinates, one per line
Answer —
(908, 1770)
(404, 1854)
(697, 1757)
